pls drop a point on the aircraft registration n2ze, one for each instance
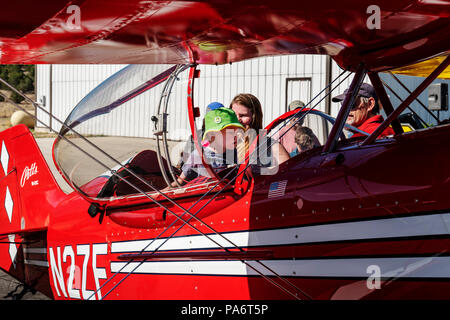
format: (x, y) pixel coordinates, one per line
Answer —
(353, 218)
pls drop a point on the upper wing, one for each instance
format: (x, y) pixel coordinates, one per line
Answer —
(383, 34)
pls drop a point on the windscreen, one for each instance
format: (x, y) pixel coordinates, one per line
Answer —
(116, 125)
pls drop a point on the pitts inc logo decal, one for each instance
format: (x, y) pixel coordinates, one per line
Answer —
(27, 173)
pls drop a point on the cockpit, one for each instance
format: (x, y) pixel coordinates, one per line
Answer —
(103, 167)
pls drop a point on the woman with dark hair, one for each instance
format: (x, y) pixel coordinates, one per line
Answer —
(249, 112)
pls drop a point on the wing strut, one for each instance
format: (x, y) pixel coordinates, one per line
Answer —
(345, 109)
(425, 83)
(384, 99)
(418, 100)
(401, 100)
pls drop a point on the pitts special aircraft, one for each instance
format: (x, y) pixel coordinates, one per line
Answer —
(354, 218)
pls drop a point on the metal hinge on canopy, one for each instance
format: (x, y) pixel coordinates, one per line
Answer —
(160, 124)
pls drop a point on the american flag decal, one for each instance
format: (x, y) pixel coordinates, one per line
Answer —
(277, 189)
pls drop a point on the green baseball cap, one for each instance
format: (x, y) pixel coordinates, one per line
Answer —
(219, 119)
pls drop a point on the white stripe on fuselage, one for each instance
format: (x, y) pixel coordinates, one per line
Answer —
(39, 263)
(423, 225)
(389, 268)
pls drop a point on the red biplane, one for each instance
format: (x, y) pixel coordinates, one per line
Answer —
(354, 218)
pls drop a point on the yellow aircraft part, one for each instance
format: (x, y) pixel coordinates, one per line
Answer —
(407, 127)
(424, 68)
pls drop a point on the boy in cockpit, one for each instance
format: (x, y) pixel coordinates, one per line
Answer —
(220, 138)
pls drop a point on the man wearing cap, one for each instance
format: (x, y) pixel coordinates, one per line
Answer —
(364, 113)
(219, 145)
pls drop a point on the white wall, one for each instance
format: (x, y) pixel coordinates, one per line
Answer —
(43, 93)
(265, 77)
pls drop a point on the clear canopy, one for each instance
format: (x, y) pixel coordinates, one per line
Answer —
(102, 134)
